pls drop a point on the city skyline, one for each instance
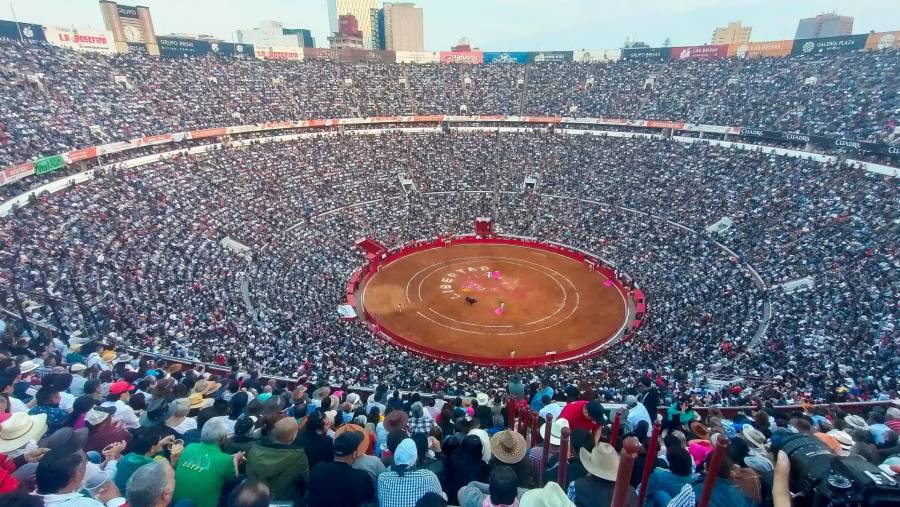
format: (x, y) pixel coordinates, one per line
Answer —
(499, 25)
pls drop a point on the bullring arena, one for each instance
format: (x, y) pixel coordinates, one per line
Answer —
(494, 301)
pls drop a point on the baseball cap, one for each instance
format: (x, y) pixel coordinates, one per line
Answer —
(120, 386)
(596, 411)
(346, 443)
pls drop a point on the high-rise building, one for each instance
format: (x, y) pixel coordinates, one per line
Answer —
(402, 27)
(272, 33)
(824, 25)
(348, 35)
(733, 33)
(366, 14)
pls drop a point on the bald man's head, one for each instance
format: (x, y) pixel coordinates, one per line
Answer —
(285, 430)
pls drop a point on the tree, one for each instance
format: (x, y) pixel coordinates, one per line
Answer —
(667, 43)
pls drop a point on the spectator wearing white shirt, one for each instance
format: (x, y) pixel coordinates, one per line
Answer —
(119, 394)
(637, 412)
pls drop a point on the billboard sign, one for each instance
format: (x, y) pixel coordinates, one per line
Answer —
(278, 52)
(647, 54)
(178, 47)
(829, 44)
(549, 56)
(466, 57)
(348, 55)
(597, 55)
(417, 57)
(137, 48)
(28, 33)
(229, 49)
(79, 39)
(505, 57)
(883, 40)
(127, 11)
(699, 52)
(761, 49)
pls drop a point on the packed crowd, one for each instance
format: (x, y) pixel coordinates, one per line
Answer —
(55, 100)
(94, 426)
(136, 257)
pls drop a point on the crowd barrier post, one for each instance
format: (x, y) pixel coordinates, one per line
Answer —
(523, 421)
(649, 462)
(713, 472)
(630, 449)
(614, 435)
(563, 459)
(511, 414)
(535, 428)
(545, 455)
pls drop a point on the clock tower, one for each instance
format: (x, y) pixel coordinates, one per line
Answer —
(131, 26)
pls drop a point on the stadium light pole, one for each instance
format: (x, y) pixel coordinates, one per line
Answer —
(12, 8)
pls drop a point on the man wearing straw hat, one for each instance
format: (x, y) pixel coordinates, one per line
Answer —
(602, 465)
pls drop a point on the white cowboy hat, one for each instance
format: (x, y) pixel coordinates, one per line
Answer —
(555, 429)
(21, 428)
(482, 399)
(551, 495)
(602, 462)
(856, 422)
(27, 366)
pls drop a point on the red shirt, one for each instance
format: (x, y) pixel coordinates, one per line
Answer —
(574, 413)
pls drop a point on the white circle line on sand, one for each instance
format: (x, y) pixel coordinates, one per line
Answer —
(508, 260)
(432, 310)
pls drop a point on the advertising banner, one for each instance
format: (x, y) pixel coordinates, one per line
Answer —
(174, 47)
(883, 40)
(348, 55)
(137, 48)
(152, 140)
(127, 11)
(760, 49)
(229, 49)
(79, 155)
(277, 53)
(81, 39)
(505, 57)
(855, 146)
(597, 56)
(28, 33)
(699, 52)
(48, 164)
(213, 132)
(467, 57)
(646, 54)
(774, 134)
(16, 173)
(418, 57)
(829, 44)
(549, 56)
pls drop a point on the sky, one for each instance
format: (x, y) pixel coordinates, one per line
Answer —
(494, 25)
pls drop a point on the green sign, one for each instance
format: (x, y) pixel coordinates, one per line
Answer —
(45, 165)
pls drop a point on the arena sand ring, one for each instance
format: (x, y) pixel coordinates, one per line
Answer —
(535, 303)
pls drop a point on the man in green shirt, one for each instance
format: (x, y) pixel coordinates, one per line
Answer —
(204, 468)
(146, 445)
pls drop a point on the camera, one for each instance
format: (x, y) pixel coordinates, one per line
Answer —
(823, 479)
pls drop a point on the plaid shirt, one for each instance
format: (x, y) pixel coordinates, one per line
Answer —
(421, 424)
(405, 490)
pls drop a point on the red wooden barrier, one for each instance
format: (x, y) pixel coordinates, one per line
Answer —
(545, 455)
(617, 423)
(652, 449)
(713, 472)
(535, 428)
(630, 449)
(563, 459)
(511, 414)
(523, 421)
